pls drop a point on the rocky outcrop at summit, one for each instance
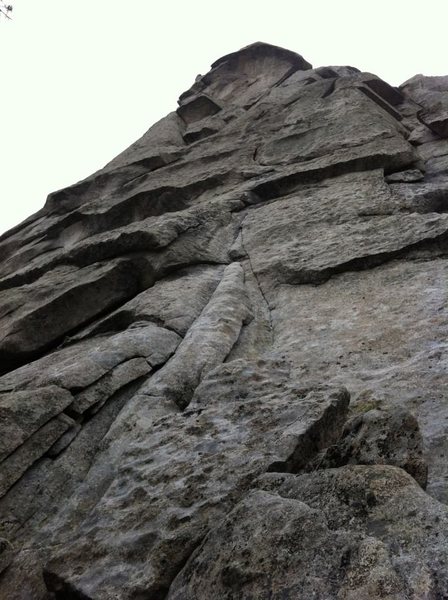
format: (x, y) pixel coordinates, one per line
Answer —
(223, 356)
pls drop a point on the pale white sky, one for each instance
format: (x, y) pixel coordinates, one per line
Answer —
(83, 80)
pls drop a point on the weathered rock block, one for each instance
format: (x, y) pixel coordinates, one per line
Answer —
(364, 533)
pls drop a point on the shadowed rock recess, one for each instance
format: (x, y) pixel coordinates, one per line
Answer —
(224, 355)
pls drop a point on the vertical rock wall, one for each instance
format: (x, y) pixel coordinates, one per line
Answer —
(223, 356)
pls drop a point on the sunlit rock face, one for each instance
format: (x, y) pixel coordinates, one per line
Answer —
(224, 357)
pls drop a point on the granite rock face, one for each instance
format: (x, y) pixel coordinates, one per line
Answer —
(224, 355)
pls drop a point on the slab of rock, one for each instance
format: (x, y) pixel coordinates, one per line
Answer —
(438, 123)
(37, 495)
(267, 547)
(403, 552)
(163, 304)
(347, 223)
(431, 93)
(363, 533)
(382, 333)
(42, 313)
(15, 465)
(338, 135)
(214, 332)
(23, 412)
(190, 469)
(35, 499)
(81, 364)
(240, 78)
(99, 392)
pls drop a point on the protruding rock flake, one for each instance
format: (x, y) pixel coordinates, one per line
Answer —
(224, 356)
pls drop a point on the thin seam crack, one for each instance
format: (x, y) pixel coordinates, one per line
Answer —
(254, 274)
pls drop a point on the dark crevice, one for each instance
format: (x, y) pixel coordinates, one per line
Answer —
(282, 79)
(197, 107)
(106, 181)
(164, 199)
(327, 73)
(188, 554)
(143, 205)
(419, 114)
(150, 164)
(121, 321)
(330, 89)
(436, 247)
(190, 137)
(381, 102)
(391, 95)
(62, 589)
(137, 281)
(127, 390)
(322, 433)
(435, 201)
(408, 177)
(27, 439)
(287, 75)
(286, 184)
(440, 129)
(170, 270)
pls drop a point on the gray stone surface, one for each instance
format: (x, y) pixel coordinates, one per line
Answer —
(354, 533)
(378, 437)
(6, 554)
(207, 343)
(431, 93)
(163, 304)
(180, 473)
(81, 364)
(184, 320)
(404, 550)
(15, 465)
(382, 333)
(24, 412)
(346, 223)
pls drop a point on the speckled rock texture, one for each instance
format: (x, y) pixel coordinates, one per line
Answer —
(224, 356)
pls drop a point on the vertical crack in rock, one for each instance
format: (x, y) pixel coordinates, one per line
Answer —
(208, 341)
(254, 273)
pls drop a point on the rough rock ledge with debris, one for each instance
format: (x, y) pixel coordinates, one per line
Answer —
(224, 355)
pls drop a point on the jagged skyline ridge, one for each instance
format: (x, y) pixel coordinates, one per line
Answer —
(72, 106)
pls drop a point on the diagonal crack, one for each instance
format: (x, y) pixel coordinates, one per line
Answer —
(254, 274)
